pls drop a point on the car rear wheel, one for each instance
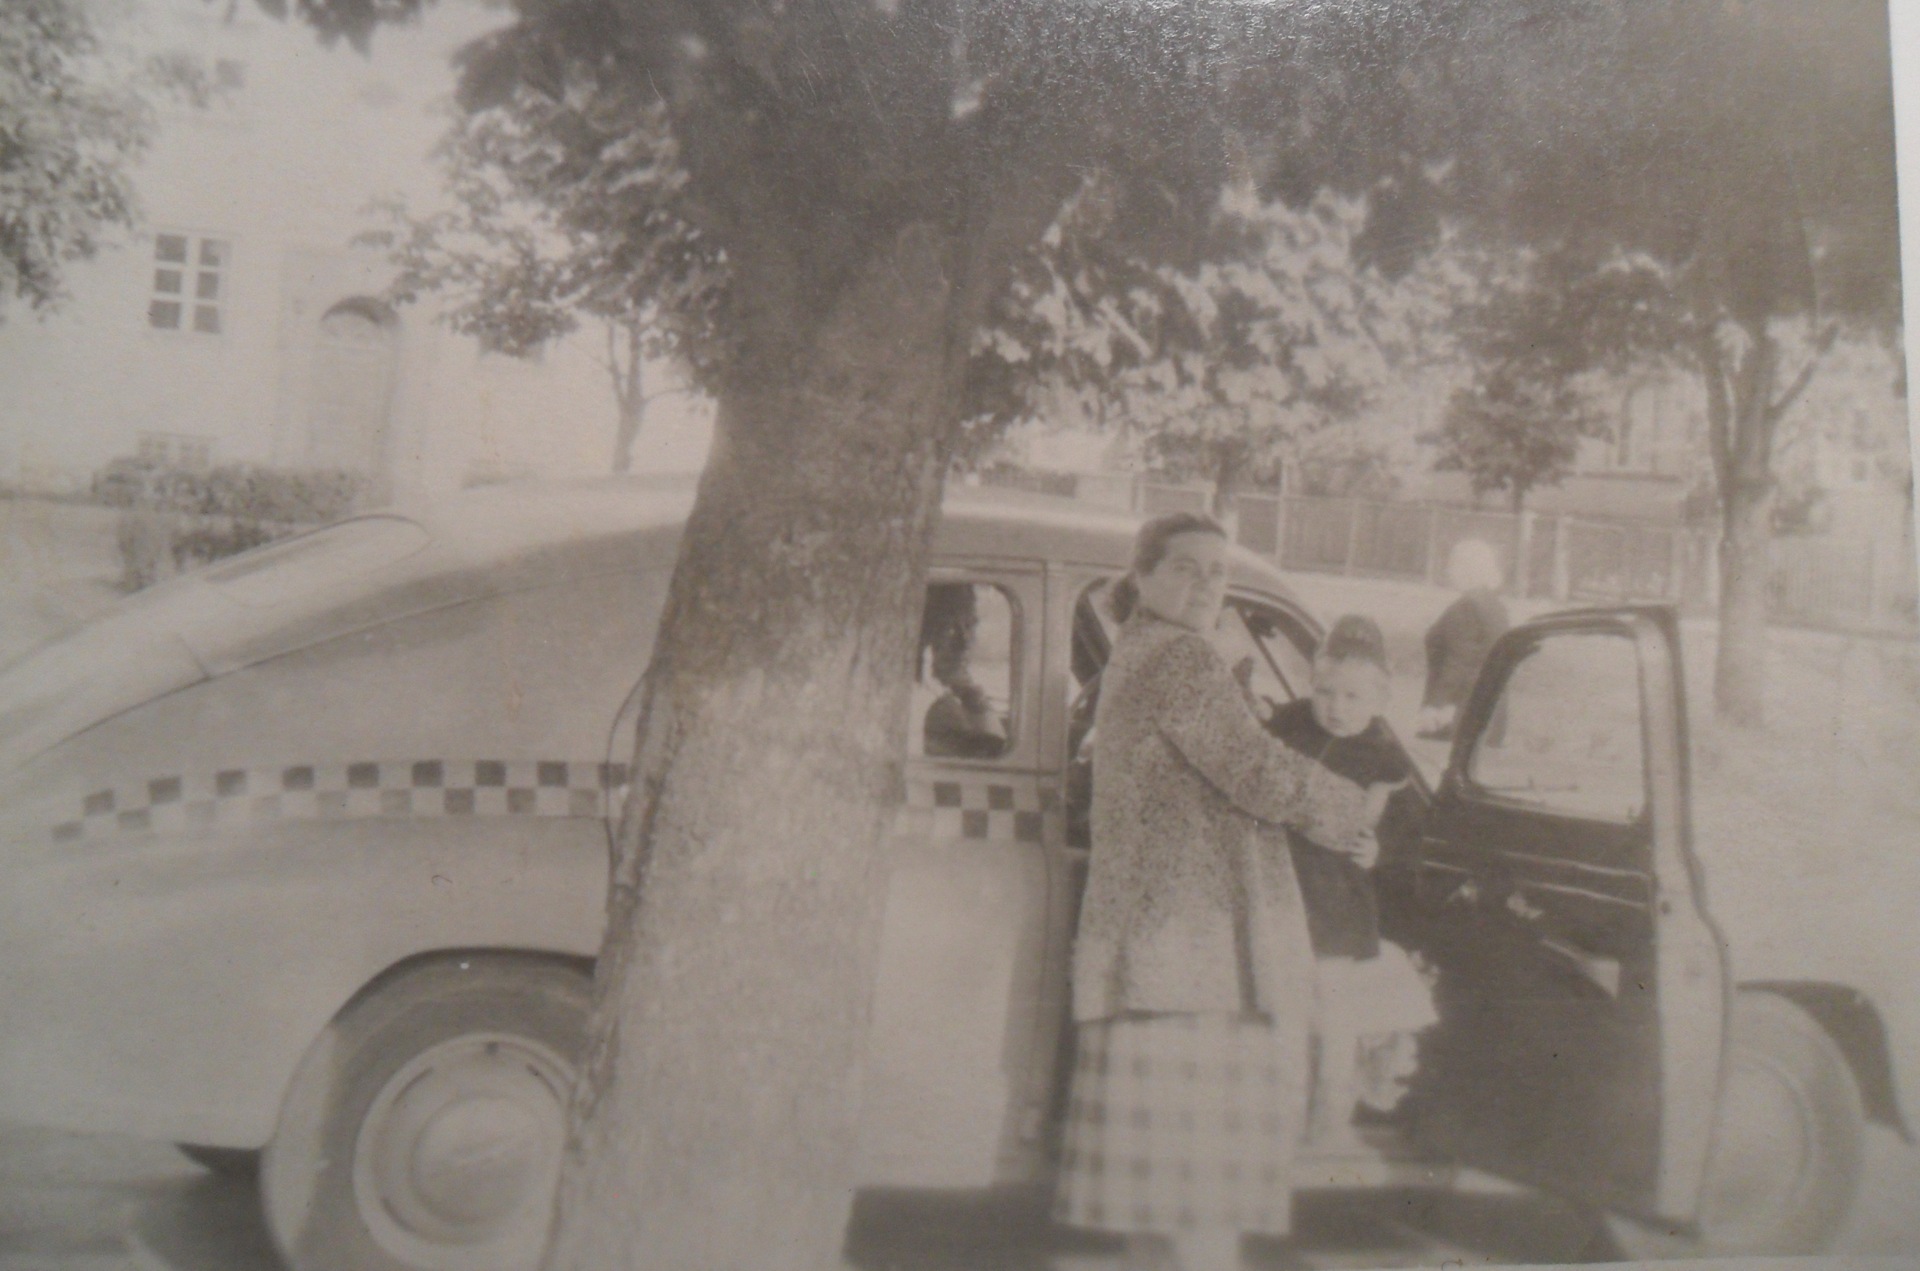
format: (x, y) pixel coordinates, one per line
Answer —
(423, 1131)
(1789, 1143)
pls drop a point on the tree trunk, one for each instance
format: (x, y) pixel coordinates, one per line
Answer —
(714, 1126)
(1226, 484)
(628, 396)
(1740, 421)
(1740, 672)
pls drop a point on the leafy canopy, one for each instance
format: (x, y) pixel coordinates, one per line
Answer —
(67, 134)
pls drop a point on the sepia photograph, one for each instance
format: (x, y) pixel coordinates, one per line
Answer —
(957, 635)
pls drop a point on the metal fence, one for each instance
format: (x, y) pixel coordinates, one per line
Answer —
(1819, 582)
(1833, 583)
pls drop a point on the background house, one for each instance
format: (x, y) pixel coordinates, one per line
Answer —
(240, 324)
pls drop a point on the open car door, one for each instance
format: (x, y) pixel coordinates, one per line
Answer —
(1582, 987)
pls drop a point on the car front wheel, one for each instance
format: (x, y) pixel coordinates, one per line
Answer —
(1789, 1143)
(423, 1131)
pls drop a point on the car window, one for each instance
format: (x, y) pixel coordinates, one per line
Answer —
(1253, 667)
(1565, 733)
(1284, 665)
(964, 683)
(294, 568)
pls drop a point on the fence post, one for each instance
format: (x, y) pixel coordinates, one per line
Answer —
(1433, 544)
(1522, 574)
(1561, 581)
(1353, 534)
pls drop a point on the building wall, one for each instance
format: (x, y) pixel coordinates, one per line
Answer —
(280, 172)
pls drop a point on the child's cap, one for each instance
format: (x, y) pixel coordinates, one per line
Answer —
(1355, 638)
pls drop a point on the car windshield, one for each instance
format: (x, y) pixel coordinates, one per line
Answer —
(299, 566)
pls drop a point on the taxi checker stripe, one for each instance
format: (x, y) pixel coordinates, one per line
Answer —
(368, 788)
(978, 808)
(971, 809)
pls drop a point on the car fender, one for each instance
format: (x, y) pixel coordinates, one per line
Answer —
(1854, 1023)
(168, 989)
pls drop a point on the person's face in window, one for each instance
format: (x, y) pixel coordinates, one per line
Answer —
(953, 645)
(1189, 584)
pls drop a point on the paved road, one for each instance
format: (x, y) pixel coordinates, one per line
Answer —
(80, 1203)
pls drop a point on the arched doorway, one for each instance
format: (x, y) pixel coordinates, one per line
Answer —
(355, 361)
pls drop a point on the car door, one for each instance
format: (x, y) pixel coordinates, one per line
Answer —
(1582, 986)
(959, 996)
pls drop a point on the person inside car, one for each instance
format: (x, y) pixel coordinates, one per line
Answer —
(961, 723)
(1369, 989)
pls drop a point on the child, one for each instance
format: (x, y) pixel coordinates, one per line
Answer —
(1369, 991)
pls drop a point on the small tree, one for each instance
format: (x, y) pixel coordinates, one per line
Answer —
(1531, 332)
(563, 206)
(1512, 435)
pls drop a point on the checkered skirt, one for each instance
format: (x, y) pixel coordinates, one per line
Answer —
(1178, 1122)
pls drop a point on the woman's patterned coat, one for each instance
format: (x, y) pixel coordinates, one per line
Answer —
(1191, 903)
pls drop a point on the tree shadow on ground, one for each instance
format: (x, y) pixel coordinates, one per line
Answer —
(1009, 1230)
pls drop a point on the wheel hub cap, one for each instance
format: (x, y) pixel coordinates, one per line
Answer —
(459, 1154)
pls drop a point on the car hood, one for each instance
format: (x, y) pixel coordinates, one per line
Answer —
(132, 655)
(192, 628)
(293, 594)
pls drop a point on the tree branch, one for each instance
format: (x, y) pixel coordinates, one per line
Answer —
(1713, 369)
(1822, 343)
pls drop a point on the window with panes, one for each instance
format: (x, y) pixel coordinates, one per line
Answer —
(189, 284)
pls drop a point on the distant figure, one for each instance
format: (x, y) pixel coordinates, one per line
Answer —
(961, 723)
(1458, 641)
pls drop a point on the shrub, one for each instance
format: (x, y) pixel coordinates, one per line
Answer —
(177, 520)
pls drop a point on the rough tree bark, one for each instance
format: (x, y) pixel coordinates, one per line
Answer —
(768, 756)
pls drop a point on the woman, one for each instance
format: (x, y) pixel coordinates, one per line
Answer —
(1193, 974)
(1458, 641)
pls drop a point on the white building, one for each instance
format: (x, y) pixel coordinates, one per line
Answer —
(238, 323)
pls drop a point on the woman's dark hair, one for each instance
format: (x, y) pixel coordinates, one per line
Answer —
(1150, 548)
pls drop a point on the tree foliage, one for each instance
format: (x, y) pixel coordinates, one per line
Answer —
(1257, 355)
(1512, 435)
(1533, 336)
(67, 134)
(562, 208)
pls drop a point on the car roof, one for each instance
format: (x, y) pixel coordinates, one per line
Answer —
(496, 524)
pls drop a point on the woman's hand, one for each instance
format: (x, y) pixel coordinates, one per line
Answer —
(1364, 851)
(1434, 721)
